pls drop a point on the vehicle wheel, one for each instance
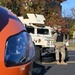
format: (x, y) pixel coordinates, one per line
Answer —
(47, 58)
(53, 56)
(37, 54)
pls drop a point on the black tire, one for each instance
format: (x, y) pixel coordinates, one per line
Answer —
(37, 54)
(53, 56)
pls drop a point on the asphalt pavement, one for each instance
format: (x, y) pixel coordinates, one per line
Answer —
(51, 68)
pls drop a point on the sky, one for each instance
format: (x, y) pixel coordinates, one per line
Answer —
(66, 7)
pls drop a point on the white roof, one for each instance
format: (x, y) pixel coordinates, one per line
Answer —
(36, 18)
(21, 18)
(27, 21)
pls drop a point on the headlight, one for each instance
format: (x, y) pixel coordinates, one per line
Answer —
(19, 49)
(39, 40)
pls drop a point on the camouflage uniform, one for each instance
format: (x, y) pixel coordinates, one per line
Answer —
(61, 47)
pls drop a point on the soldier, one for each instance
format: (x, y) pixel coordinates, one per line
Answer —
(54, 30)
(59, 45)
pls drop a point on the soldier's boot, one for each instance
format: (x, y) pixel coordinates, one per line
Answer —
(63, 63)
(57, 62)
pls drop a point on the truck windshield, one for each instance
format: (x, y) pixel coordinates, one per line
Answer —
(42, 31)
(30, 29)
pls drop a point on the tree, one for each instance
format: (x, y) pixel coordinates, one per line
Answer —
(16, 6)
(73, 12)
(53, 13)
(51, 9)
(71, 21)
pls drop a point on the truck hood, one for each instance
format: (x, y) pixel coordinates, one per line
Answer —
(48, 37)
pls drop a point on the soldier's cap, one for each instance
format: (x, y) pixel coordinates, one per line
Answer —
(59, 27)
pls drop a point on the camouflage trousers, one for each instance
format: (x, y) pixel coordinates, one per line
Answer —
(60, 49)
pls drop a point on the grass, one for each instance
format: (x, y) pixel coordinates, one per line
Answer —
(72, 45)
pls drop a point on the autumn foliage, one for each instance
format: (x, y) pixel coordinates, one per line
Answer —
(51, 9)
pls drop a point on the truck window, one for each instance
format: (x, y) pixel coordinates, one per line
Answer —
(30, 29)
(42, 31)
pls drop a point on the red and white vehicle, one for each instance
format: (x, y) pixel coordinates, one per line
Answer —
(16, 46)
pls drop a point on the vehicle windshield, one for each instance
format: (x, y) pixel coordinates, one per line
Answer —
(42, 31)
(30, 29)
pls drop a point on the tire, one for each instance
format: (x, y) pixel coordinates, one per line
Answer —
(37, 54)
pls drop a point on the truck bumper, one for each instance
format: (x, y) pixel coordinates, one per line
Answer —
(51, 49)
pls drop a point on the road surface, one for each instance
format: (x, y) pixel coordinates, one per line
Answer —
(51, 68)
